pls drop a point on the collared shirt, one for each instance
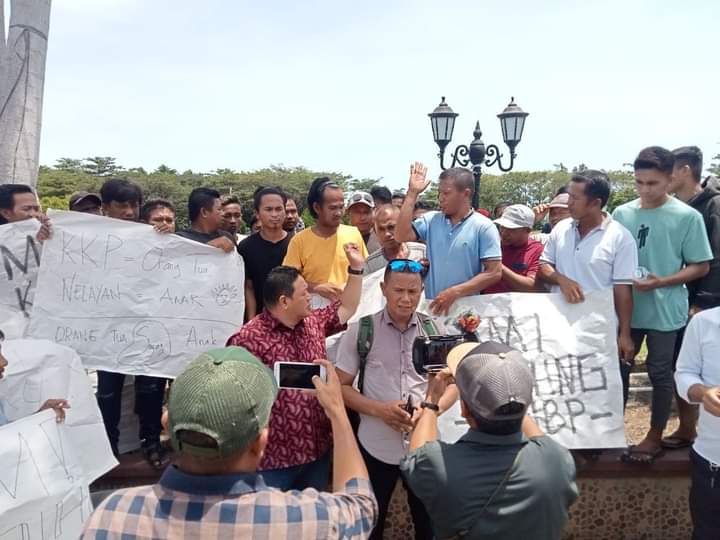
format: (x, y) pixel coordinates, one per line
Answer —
(455, 481)
(523, 260)
(299, 429)
(456, 251)
(605, 256)
(377, 259)
(183, 505)
(699, 363)
(389, 375)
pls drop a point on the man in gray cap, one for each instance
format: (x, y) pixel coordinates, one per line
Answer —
(218, 415)
(504, 478)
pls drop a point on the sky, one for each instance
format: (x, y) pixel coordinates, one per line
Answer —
(346, 86)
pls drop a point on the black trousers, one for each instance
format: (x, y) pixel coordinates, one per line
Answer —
(704, 498)
(149, 395)
(383, 478)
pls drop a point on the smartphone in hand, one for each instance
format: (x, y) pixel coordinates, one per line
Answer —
(298, 375)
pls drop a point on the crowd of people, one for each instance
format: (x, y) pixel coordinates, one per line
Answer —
(254, 461)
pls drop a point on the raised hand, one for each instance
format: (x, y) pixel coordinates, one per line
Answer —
(354, 257)
(418, 178)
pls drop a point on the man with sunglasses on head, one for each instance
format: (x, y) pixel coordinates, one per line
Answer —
(463, 246)
(378, 349)
(361, 211)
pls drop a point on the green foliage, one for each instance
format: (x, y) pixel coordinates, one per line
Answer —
(57, 183)
(714, 167)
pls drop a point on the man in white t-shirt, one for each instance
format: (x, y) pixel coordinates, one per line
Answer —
(698, 382)
(591, 251)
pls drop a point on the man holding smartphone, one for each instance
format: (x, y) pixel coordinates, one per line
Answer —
(391, 387)
(288, 330)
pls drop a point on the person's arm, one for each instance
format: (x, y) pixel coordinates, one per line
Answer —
(224, 243)
(517, 282)
(347, 460)
(250, 301)
(530, 429)
(622, 294)
(390, 412)
(45, 231)
(491, 274)
(691, 272)
(426, 429)
(404, 231)
(570, 289)
(350, 298)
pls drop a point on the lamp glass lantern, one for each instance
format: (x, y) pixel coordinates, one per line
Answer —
(442, 120)
(512, 122)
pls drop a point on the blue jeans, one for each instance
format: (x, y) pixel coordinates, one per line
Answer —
(315, 474)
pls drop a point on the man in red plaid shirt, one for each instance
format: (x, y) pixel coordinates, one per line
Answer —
(297, 455)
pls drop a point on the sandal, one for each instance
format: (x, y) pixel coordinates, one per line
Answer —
(154, 455)
(675, 442)
(641, 457)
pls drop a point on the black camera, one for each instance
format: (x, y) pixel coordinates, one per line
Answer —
(429, 353)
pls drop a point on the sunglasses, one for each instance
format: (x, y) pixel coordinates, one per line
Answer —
(358, 197)
(406, 265)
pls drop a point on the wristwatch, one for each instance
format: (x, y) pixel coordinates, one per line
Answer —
(355, 272)
(431, 406)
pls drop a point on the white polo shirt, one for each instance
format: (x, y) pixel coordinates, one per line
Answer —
(606, 256)
(698, 364)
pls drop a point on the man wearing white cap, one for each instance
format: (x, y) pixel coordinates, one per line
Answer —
(361, 207)
(504, 478)
(520, 253)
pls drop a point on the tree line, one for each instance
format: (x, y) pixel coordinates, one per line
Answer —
(58, 182)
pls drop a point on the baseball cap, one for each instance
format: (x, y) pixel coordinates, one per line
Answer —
(489, 375)
(561, 201)
(517, 216)
(361, 197)
(225, 394)
(80, 196)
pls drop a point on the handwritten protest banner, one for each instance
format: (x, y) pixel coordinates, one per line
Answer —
(131, 300)
(39, 370)
(19, 263)
(47, 467)
(41, 493)
(571, 349)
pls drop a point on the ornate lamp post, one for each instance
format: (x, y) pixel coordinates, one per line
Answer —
(512, 122)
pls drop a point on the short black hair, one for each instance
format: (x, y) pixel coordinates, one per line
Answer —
(565, 188)
(501, 427)
(655, 157)
(280, 282)
(597, 185)
(398, 195)
(461, 178)
(267, 190)
(230, 199)
(153, 204)
(499, 205)
(381, 195)
(317, 192)
(201, 198)
(121, 190)
(423, 205)
(691, 156)
(7, 196)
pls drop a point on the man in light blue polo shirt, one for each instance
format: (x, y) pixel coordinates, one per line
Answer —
(463, 246)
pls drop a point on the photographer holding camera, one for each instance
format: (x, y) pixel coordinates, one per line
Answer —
(378, 349)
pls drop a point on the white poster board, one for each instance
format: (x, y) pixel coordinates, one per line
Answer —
(131, 300)
(39, 370)
(571, 349)
(19, 263)
(43, 493)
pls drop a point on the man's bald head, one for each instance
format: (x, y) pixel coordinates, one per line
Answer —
(386, 218)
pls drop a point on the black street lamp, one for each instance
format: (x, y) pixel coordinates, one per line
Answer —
(512, 122)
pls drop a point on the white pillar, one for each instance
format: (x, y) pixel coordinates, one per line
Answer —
(22, 77)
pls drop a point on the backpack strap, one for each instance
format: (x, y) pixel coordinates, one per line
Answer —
(364, 344)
